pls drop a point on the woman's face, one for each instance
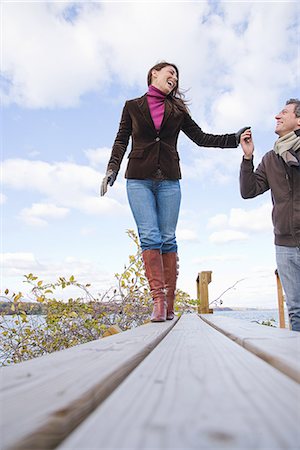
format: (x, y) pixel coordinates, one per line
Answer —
(164, 79)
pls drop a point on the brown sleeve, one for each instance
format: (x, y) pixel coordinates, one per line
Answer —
(253, 183)
(194, 132)
(121, 141)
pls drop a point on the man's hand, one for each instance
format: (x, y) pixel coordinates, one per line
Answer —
(247, 143)
(108, 179)
(239, 133)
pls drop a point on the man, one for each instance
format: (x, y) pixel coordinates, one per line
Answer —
(279, 171)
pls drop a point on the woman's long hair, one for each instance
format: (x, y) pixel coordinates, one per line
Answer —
(177, 96)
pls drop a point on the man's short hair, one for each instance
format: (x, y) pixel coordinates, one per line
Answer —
(296, 102)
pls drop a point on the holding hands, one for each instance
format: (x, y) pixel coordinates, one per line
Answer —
(239, 133)
(247, 143)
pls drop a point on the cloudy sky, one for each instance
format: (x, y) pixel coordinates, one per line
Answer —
(67, 69)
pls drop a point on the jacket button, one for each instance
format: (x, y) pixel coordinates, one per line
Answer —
(157, 139)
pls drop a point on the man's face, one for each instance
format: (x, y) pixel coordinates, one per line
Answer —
(287, 121)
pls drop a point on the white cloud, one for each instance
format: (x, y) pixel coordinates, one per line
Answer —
(3, 198)
(39, 212)
(252, 87)
(217, 258)
(218, 221)
(209, 165)
(252, 291)
(243, 80)
(34, 153)
(16, 265)
(224, 236)
(88, 231)
(98, 156)
(186, 234)
(84, 54)
(18, 262)
(257, 219)
(57, 62)
(66, 185)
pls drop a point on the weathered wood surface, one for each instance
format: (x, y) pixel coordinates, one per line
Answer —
(280, 298)
(42, 400)
(277, 346)
(196, 390)
(202, 282)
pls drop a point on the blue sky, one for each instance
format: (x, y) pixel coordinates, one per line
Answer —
(67, 69)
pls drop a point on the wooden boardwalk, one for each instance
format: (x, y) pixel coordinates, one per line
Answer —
(199, 382)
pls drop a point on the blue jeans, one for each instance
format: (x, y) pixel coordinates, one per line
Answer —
(155, 208)
(288, 265)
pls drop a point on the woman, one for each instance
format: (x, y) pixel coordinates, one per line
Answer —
(153, 122)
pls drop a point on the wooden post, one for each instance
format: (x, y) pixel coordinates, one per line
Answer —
(280, 301)
(114, 329)
(203, 279)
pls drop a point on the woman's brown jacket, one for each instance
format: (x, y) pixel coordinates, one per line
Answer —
(152, 150)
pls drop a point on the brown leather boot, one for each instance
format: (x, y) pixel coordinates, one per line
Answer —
(155, 275)
(170, 263)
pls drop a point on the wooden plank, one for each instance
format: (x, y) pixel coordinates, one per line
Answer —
(196, 390)
(42, 400)
(279, 347)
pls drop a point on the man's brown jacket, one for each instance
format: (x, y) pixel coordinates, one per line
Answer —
(152, 150)
(284, 182)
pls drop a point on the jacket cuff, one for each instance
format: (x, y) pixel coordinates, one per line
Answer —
(247, 164)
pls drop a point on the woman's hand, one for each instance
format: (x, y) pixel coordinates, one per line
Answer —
(239, 133)
(108, 179)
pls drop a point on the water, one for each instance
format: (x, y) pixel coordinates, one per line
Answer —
(257, 315)
(251, 315)
(10, 321)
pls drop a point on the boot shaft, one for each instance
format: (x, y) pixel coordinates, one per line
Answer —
(170, 264)
(155, 275)
(154, 270)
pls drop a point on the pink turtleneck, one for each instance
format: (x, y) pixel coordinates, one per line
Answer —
(156, 102)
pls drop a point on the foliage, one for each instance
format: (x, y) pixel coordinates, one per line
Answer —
(184, 303)
(7, 308)
(269, 323)
(64, 324)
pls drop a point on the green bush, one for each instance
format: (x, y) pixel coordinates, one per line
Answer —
(63, 324)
